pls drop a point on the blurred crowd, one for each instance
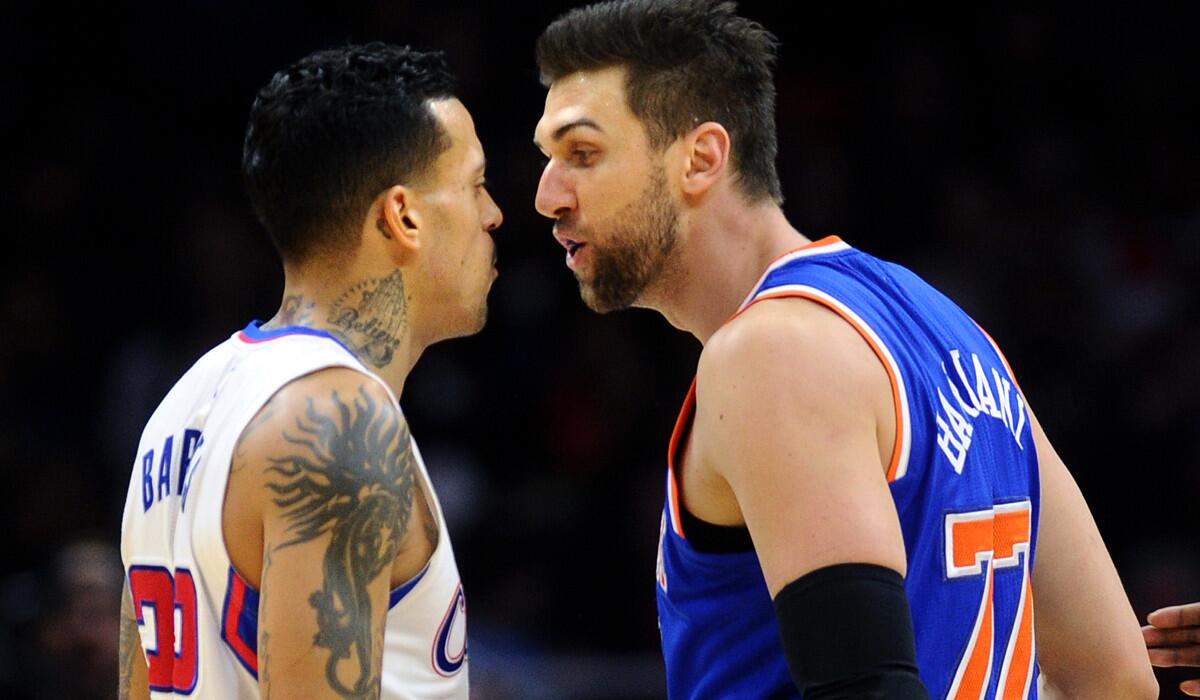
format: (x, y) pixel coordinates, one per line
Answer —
(1040, 166)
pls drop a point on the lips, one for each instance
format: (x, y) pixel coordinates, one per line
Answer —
(573, 246)
(575, 251)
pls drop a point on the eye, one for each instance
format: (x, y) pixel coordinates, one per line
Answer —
(583, 156)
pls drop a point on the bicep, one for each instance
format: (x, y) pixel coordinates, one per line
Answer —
(320, 623)
(809, 506)
(1077, 592)
(337, 479)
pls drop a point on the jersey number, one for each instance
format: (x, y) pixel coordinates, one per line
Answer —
(168, 605)
(977, 544)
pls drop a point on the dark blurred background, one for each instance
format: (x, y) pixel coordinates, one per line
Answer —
(1041, 166)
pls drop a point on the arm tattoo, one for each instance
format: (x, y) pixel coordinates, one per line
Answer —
(264, 636)
(371, 317)
(266, 413)
(129, 645)
(351, 476)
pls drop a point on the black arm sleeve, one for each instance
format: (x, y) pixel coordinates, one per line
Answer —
(847, 633)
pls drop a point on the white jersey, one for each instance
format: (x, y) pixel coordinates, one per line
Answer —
(197, 616)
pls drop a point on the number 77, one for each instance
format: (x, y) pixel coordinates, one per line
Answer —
(978, 543)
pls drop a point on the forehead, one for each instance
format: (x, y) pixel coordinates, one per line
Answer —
(596, 97)
(465, 149)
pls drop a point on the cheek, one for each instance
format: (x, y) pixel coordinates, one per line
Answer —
(605, 201)
(472, 253)
(485, 254)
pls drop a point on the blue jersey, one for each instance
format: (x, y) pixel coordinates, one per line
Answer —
(963, 477)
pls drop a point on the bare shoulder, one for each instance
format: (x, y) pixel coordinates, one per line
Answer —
(797, 345)
(789, 367)
(324, 448)
(791, 410)
(316, 404)
(336, 428)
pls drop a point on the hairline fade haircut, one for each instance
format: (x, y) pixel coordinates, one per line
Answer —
(688, 62)
(329, 133)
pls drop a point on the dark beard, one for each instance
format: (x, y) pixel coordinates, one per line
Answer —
(638, 252)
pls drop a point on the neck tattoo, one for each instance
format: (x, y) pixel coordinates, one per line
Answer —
(296, 311)
(371, 316)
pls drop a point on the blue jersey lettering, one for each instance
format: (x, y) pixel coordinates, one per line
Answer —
(191, 442)
(157, 487)
(147, 480)
(164, 468)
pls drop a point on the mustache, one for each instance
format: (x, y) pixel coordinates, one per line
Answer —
(566, 225)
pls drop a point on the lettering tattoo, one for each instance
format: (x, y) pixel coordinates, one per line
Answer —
(129, 645)
(371, 316)
(351, 476)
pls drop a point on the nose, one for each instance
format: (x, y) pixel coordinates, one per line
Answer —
(492, 216)
(555, 196)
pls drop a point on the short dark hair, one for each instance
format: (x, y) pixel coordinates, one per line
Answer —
(329, 133)
(688, 61)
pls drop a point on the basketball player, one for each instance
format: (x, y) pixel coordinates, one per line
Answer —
(856, 487)
(1173, 637)
(281, 536)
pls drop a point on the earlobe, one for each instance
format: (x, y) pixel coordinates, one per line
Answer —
(708, 154)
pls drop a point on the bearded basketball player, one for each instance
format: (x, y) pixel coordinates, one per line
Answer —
(856, 487)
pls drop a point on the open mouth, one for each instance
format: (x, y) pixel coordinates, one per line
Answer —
(572, 246)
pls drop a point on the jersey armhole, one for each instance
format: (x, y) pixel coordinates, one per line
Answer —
(898, 464)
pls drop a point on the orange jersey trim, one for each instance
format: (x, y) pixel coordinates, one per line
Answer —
(819, 243)
(996, 347)
(811, 246)
(681, 425)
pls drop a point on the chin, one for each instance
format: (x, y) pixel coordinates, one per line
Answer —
(480, 320)
(465, 320)
(476, 320)
(602, 304)
(590, 301)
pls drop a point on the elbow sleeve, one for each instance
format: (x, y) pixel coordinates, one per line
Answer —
(847, 633)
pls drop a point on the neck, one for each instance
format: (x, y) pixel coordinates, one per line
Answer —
(371, 316)
(723, 251)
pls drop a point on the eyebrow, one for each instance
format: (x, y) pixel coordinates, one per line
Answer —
(562, 130)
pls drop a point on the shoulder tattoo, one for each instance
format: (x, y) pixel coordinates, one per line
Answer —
(349, 473)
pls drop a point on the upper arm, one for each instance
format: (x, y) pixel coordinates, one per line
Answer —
(788, 410)
(337, 479)
(133, 682)
(1088, 640)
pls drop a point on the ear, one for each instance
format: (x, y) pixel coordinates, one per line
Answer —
(707, 152)
(398, 221)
